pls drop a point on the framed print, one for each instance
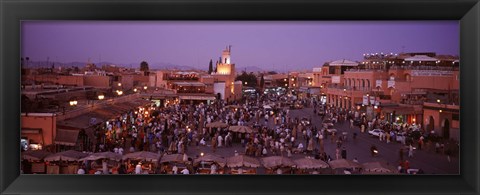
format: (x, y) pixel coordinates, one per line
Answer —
(246, 97)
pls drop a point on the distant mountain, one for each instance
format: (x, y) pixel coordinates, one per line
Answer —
(45, 64)
(163, 65)
(249, 69)
(160, 65)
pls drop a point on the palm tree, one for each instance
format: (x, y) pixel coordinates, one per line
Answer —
(144, 67)
(262, 82)
(210, 67)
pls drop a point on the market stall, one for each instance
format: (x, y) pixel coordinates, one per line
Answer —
(174, 163)
(310, 165)
(147, 160)
(241, 129)
(378, 168)
(242, 164)
(344, 166)
(277, 165)
(209, 164)
(33, 161)
(65, 162)
(95, 160)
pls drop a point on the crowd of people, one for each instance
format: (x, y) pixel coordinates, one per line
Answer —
(175, 128)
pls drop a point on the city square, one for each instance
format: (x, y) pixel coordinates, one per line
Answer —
(381, 113)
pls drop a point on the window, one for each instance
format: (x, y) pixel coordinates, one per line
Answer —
(455, 117)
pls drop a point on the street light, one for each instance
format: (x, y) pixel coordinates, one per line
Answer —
(145, 87)
(438, 100)
(119, 84)
(135, 90)
(73, 102)
(101, 97)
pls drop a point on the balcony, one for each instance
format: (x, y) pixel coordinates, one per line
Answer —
(451, 68)
(412, 102)
(349, 88)
(364, 70)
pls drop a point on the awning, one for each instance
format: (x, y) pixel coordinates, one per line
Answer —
(399, 110)
(193, 84)
(104, 114)
(119, 109)
(420, 58)
(83, 121)
(31, 130)
(142, 102)
(416, 93)
(343, 63)
(66, 137)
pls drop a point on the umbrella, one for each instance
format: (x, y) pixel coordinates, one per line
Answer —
(101, 155)
(210, 158)
(310, 163)
(34, 155)
(343, 163)
(69, 155)
(241, 129)
(217, 124)
(233, 106)
(142, 155)
(380, 167)
(242, 161)
(174, 158)
(277, 161)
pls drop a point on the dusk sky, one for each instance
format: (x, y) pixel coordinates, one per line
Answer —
(267, 45)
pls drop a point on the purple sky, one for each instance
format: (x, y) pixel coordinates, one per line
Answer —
(268, 45)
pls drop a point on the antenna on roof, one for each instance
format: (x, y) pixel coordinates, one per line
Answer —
(229, 48)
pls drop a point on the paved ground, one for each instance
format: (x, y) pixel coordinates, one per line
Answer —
(429, 161)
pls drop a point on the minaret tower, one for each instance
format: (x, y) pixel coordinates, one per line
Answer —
(226, 55)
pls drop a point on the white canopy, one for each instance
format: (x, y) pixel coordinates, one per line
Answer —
(343, 63)
(421, 58)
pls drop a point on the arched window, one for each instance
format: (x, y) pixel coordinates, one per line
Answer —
(408, 77)
(392, 76)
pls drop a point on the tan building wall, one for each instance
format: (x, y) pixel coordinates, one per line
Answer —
(47, 122)
(128, 81)
(443, 119)
(152, 80)
(160, 81)
(58, 79)
(98, 81)
(208, 81)
(141, 80)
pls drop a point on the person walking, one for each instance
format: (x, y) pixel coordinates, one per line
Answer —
(214, 144)
(410, 151)
(401, 154)
(337, 153)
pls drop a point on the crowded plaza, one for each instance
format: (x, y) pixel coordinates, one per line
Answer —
(271, 134)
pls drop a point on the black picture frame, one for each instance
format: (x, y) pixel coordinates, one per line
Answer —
(12, 12)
